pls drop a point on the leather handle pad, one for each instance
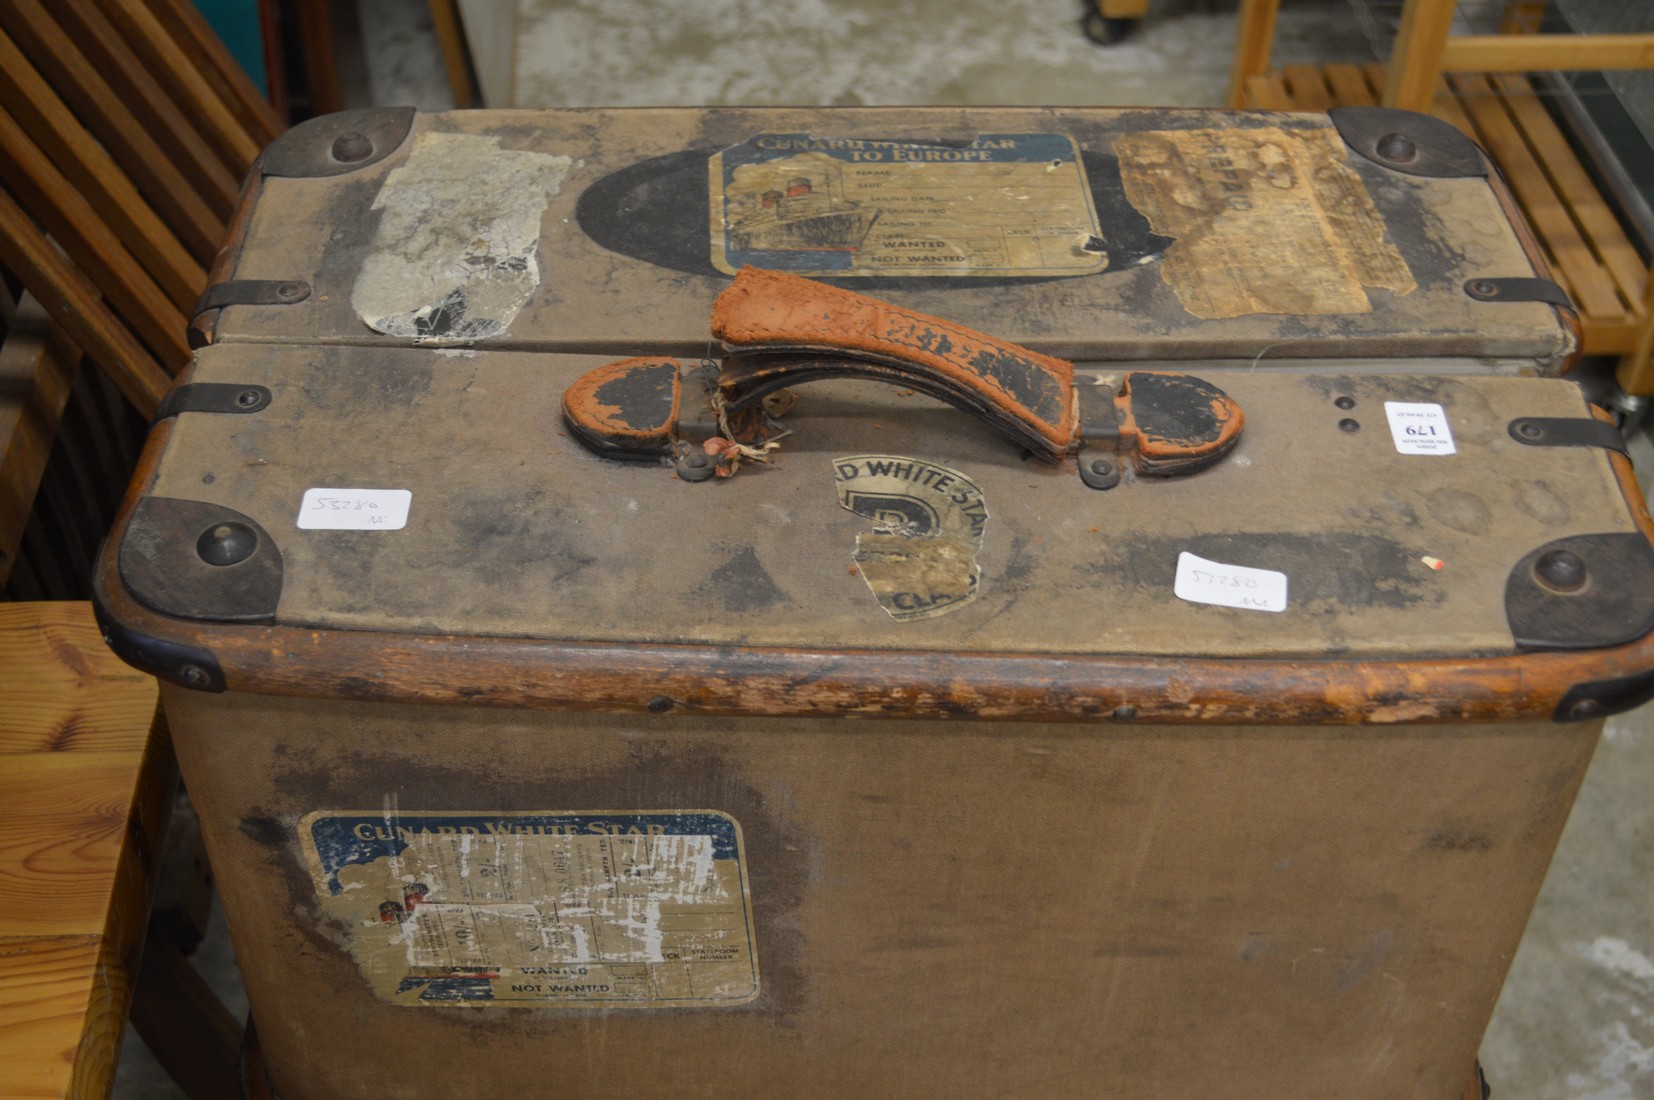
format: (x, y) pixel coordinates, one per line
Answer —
(780, 328)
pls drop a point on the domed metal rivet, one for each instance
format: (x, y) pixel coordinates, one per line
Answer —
(248, 398)
(1560, 571)
(1102, 467)
(351, 147)
(226, 544)
(660, 704)
(1585, 708)
(1527, 429)
(697, 466)
(1485, 289)
(1398, 148)
(292, 292)
(1348, 425)
(1124, 713)
(1345, 402)
(194, 676)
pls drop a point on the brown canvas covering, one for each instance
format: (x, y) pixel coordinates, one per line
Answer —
(1147, 234)
(940, 909)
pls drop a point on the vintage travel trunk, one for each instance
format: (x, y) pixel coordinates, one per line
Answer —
(1093, 234)
(1220, 751)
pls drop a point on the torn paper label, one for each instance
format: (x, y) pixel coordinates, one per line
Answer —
(454, 256)
(1266, 221)
(633, 909)
(928, 522)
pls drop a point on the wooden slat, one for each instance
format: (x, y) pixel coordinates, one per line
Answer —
(36, 375)
(165, 57)
(1349, 87)
(1415, 61)
(1547, 212)
(101, 182)
(1254, 42)
(89, 95)
(172, 130)
(64, 690)
(189, 29)
(1448, 108)
(66, 822)
(1609, 337)
(1543, 53)
(1307, 88)
(321, 65)
(85, 787)
(1267, 93)
(73, 303)
(1602, 228)
(91, 245)
(48, 986)
(185, 1026)
(1636, 370)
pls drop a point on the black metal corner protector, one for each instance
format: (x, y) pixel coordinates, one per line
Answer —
(333, 145)
(1582, 592)
(1408, 142)
(176, 663)
(195, 560)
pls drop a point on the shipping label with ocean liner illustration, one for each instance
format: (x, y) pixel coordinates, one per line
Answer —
(641, 909)
(1000, 205)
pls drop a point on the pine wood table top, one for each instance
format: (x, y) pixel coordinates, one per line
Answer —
(86, 780)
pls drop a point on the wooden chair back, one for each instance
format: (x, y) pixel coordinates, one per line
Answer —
(125, 131)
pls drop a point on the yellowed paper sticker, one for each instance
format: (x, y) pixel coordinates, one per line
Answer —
(1001, 204)
(485, 910)
(928, 524)
(1265, 221)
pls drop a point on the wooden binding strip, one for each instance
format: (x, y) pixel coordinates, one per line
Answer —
(750, 681)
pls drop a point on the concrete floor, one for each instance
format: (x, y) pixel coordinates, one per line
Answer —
(1576, 1020)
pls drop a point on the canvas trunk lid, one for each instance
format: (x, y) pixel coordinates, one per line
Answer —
(1087, 233)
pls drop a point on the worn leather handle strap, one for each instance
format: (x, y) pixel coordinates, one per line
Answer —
(781, 328)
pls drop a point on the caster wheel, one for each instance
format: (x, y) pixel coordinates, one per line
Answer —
(1103, 30)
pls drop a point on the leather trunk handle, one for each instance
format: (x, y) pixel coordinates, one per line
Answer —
(780, 330)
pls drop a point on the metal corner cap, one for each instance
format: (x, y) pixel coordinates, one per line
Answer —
(1409, 142)
(339, 143)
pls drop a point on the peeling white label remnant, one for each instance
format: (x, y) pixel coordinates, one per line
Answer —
(625, 909)
(928, 523)
(355, 509)
(453, 258)
(1239, 586)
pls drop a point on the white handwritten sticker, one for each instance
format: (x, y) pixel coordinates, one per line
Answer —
(355, 509)
(1419, 429)
(1202, 581)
